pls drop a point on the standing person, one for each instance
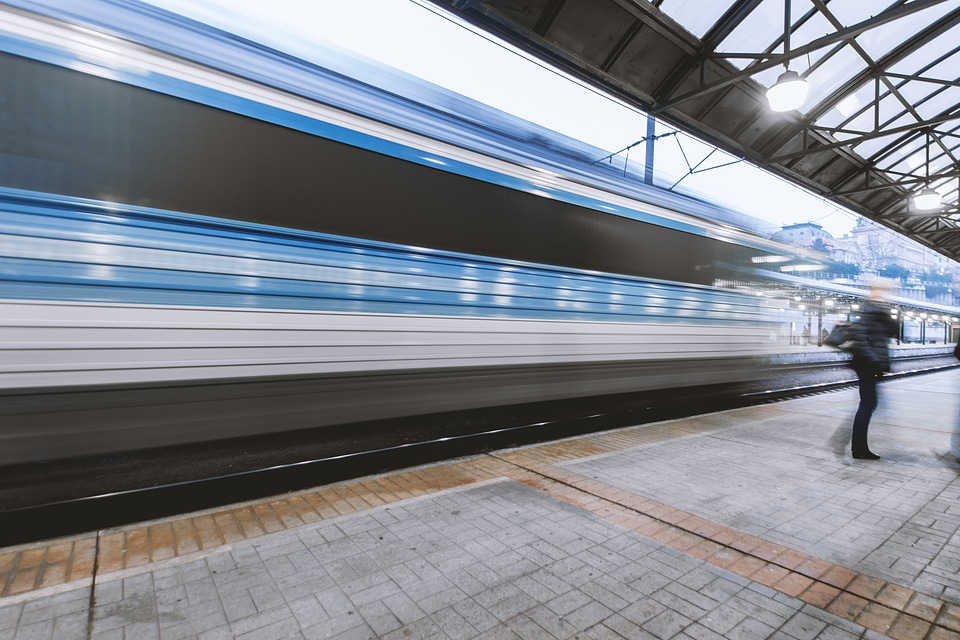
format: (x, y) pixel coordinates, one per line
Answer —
(955, 437)
(871, 359)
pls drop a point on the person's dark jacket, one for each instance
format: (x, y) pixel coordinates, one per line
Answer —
(872, 333)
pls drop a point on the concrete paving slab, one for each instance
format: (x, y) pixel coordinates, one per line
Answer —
(752, 523)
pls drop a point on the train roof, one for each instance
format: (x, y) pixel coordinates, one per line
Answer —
(368, 88)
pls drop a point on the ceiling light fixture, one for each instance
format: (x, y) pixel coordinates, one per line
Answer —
(790, 90)
(927, 199)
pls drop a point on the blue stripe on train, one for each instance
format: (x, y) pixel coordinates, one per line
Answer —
(58, 248)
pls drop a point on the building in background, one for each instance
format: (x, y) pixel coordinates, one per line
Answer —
(871, 250)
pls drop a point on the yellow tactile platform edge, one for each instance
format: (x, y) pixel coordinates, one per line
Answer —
(884, 607)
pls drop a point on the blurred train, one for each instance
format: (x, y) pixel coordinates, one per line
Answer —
(202, 238)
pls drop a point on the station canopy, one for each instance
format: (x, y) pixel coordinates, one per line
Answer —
(881, 120)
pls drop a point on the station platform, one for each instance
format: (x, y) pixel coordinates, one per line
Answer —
(749, 523)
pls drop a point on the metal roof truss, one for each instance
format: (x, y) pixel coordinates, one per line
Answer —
(882, 122)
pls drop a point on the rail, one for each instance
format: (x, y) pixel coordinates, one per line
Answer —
(59, 518)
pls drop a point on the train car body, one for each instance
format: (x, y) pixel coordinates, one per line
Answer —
(203, 239)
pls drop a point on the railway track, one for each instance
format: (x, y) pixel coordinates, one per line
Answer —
(213, 476)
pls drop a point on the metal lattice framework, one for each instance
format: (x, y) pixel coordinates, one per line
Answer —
(883, 119)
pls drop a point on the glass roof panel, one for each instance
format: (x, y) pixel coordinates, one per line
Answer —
(925, 55)
(945, 69)
(914, 91)
(835, 71)
(768, 78)
(815, 27)
(695, 17)
(853, 11)
(942, 144)
(849, 106)
(907, 157)
(862, 123)
(941, 103)
(891, 109)
(757, 31)
(952, 141)
(835, 117)
(906, 120)
(764, 26)
(911, 163)
(880, 41)
(940, 163)
(937, 153)
(889, 161)
(841, 136)
(869, 148)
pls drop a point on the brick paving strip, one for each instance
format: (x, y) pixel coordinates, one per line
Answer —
(898, 612)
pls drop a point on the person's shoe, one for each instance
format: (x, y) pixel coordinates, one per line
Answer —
(865, 455)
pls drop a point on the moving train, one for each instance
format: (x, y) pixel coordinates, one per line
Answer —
(202, 238)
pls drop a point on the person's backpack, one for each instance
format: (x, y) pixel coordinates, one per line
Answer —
(841, 336)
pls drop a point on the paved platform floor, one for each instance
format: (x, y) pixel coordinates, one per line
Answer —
(751, 523)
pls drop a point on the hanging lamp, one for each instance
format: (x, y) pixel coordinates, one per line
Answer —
(790, 90)
(927, 199)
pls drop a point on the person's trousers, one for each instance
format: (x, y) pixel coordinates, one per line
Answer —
(868, 402)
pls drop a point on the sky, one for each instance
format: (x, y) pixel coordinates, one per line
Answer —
(418, 38)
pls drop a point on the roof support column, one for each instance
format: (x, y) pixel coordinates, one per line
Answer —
(651, 141)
